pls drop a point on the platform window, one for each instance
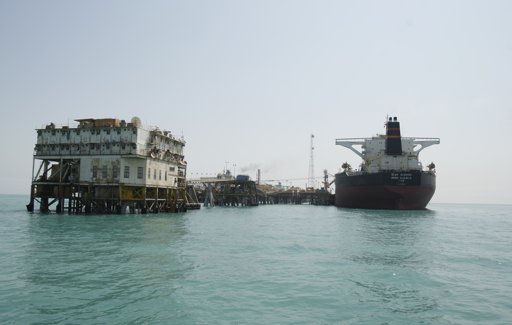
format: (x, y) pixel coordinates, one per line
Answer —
(126, 171)
(140, 172)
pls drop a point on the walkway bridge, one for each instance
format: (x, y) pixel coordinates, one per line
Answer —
(241, 191)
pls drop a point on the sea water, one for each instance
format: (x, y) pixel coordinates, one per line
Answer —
(273, 264)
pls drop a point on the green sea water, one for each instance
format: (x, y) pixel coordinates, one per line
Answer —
(275, 264)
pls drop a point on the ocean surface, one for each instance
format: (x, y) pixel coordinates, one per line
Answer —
(274, 264)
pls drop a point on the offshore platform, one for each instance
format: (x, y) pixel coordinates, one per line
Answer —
(109, 166)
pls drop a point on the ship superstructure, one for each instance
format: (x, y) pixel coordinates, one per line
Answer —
(108, 166)
(390, 176)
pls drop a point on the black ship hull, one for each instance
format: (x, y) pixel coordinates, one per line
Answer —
(410, 190)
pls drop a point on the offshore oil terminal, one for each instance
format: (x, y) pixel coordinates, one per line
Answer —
(109, 165)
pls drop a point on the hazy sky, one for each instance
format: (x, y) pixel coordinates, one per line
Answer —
(249, 81)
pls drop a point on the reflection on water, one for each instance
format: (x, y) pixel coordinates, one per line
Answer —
(389, 228)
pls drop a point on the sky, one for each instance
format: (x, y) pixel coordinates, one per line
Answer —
(247, 82)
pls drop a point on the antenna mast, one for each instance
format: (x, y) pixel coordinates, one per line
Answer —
(311, 175)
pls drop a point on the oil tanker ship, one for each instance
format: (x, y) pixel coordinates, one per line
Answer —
(390, 176)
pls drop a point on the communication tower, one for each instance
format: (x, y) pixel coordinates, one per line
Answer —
(311, 175)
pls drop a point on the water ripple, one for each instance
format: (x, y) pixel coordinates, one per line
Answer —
(264, 265)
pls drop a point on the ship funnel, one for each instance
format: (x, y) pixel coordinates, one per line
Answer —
(393, 138)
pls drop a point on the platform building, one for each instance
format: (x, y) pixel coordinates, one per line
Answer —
(108, 166)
